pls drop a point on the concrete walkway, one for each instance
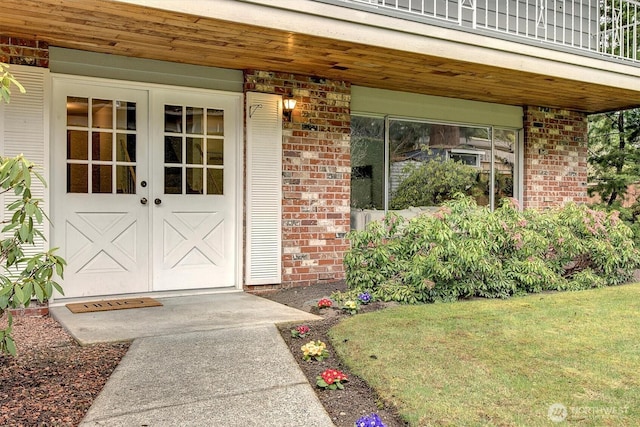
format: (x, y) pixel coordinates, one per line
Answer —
(206, 360)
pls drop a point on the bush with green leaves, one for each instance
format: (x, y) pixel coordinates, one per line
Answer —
(465, 251)
(23, 277)
(432, 183)
(630, 215)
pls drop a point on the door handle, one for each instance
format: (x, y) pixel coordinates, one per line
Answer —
(143, 201)
(157, 201)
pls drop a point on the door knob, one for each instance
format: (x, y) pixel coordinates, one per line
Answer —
(143, 200)
(157, 201)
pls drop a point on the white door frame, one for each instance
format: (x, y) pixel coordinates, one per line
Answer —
(238, 164)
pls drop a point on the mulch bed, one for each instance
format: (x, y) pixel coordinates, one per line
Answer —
(53, 380)
(357, 399)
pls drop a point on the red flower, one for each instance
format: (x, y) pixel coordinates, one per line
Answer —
(330, 376)
(324, 303)
(302, 329)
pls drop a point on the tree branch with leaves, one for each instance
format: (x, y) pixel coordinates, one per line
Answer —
(614, 154)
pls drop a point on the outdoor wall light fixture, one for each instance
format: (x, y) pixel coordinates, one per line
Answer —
(288, 104)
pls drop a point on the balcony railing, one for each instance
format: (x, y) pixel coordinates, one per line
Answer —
(604, 27)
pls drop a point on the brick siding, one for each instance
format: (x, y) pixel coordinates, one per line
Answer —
(315, 176)
(555, 157)
(19, 51)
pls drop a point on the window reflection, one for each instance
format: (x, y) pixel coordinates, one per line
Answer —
(77, 145)
(193, 153)
(92, 154)
(101, 179)
(102, 113)
(428, 163)
(215, 181)
(77, 111)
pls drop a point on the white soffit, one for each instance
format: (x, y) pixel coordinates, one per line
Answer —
(325, 20)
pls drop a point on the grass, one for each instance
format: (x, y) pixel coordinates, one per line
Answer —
(504, 362)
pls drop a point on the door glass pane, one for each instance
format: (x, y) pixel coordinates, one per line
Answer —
(215, 122)
(173, 149)
(126, 147)
(194, 120)
(77, 178)
(126, 179)
(102, 116)
(194, 151)
(215, 150)
(215, 184)
(101, 179)
(194, 181)
(77, 147)
(125, 115)
(172, 118)
(77, 111)
(101, 146)
(172, 180)
(367, 162)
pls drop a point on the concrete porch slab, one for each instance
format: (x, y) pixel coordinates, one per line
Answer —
(178, 315)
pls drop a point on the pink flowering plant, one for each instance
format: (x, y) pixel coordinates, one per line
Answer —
(314, 350)
(325, 303)
(331, 379)
(300, 331)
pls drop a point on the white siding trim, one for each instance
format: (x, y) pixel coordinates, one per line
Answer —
(24, 129)
(264, 189)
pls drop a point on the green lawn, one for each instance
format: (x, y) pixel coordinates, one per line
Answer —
(504, 362)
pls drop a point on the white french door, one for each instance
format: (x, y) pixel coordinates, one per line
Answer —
(194, 181)
(144, 187)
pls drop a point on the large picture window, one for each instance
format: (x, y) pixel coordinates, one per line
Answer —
(399, 163)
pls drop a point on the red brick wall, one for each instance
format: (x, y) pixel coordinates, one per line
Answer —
(19, 51)
(315, 176)
(555, 157)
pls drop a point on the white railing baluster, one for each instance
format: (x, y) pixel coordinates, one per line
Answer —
(607, 27)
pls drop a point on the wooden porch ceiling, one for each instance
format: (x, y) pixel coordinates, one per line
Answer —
(124, 29)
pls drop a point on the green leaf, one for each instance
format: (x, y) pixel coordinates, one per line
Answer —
(10, 346)
(24, 232)
(38, 214)
(28, 292)
(18, 292)
(39, 293)
(58, 287)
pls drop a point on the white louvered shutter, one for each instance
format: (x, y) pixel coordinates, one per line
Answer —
(264, 189)
(23, 129)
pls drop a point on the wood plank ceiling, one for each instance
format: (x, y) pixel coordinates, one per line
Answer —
(123, 29)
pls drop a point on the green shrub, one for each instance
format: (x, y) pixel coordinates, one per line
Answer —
(465, 250)
(432, 183)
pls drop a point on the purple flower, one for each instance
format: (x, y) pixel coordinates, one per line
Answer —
(372, 420)
(365, 297)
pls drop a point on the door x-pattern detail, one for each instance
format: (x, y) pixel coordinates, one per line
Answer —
(107, 239)
(195, 235)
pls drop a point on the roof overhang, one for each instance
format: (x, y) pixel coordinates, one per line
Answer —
(316, 39)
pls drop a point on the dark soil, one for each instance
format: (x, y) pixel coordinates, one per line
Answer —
(357, 398)
(52, 381)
